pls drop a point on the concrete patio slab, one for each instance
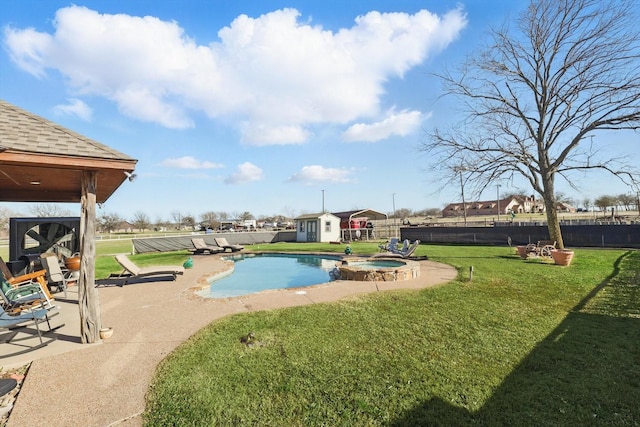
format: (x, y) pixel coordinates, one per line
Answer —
(72, 384)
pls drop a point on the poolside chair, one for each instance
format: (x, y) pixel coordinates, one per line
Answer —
(200, 247)
(222, 242)
(56, 275)
(132, 271)
(24, 319)
(27, 296)
(37, 276)
(407, 249)
(391, 245)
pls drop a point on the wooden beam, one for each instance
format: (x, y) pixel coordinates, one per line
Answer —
(89, 305)
(56, 161)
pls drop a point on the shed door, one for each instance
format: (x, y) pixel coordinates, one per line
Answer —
(312, 231)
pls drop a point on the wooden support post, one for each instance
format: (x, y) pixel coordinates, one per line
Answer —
(89, 305)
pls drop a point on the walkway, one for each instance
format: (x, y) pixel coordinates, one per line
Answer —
(105, 384)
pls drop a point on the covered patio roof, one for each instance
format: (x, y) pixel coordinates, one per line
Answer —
(41, 161)
(369, 213)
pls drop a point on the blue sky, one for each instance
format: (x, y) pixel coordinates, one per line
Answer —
(259, 106)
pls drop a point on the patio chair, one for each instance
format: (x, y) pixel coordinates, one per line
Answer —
(24, 319)
(56, 275)
(37, 277)
(222, 242)
(27, 296)
(132, 271)
(200, 247)
(407, 249)
(390, 246)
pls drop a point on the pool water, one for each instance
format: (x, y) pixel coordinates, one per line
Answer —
(257, 273)
(374, 265)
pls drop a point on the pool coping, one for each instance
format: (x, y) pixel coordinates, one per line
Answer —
(205, 280)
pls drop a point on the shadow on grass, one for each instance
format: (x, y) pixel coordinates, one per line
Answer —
(586, 372)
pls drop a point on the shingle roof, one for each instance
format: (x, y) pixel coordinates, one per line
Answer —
(23, 131)
(41, 161)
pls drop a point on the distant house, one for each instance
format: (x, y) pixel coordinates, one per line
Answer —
(124, 227)
(511, 204)
(565, 207)
(319, 227)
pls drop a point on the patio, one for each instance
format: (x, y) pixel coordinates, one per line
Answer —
(150, 320)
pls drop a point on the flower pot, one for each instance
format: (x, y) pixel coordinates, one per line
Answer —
(522, 251)
(72, 263)
(562, 256)
(106, 333)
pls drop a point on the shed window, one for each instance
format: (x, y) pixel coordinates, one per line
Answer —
(327, 226)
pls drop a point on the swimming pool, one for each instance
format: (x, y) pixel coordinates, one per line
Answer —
(260, 272)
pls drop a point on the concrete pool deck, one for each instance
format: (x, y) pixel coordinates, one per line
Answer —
(105, 384)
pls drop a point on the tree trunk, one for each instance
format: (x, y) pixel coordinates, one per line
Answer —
(553, 225)
(89, 305)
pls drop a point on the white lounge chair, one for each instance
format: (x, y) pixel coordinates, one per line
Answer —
(132, 271)
(390, 246)
(222, 242)
(200, 247)
(407, 249)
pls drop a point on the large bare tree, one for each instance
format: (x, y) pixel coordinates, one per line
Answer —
(538, 94)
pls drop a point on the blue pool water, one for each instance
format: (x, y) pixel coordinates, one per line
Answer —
(374, 265)
(271, 271)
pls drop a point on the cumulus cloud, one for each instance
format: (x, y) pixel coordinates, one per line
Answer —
(247, 172)
(188, 162)
(401, 124)
(278, 72)
(75, 107)
(316, 174)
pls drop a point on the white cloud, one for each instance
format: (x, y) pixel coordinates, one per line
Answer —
(75, 107)
(247, 172)
(188, 162)
(279, 73)
(401, 124)
(273, 135)
(316, 174)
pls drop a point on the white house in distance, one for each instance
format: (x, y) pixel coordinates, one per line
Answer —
(318, 227)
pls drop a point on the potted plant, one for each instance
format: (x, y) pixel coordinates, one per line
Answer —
(562, 256)
(522, 251)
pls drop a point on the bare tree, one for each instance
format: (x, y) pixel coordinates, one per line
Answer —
(189, 221)
(626, 201)
(109, 222)
(177, 219)
(209, 220)
(141, 221)
(538, 95)
(246, 215)
(48, 210)
(5, 214)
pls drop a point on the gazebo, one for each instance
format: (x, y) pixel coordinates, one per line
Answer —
(41, 161)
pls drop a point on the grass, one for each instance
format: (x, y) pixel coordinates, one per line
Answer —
(524, 343)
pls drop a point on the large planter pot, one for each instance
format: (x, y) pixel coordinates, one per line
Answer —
(562, 256)
(522, 251)
(72, 263)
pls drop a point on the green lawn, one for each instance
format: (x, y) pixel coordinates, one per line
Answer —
(524, 343)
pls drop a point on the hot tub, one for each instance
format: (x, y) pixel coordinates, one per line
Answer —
(378, 269)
